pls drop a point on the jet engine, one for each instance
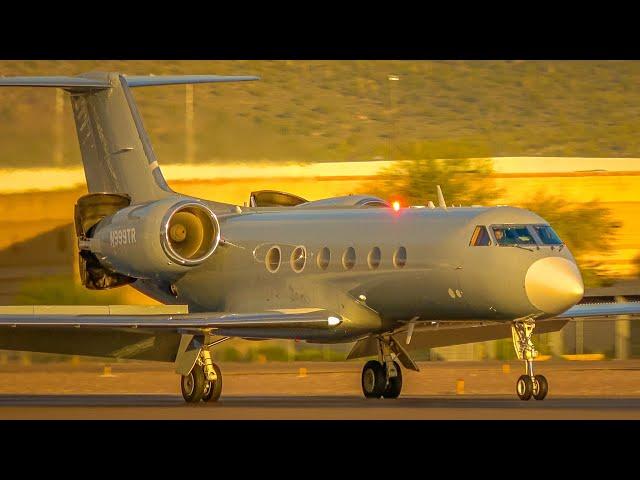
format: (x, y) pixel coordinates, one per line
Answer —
(163, 237)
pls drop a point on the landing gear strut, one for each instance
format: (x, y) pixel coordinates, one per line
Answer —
(528, 385)
(383, 377)
(204, 382)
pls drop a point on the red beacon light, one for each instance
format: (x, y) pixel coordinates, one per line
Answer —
(396, 206)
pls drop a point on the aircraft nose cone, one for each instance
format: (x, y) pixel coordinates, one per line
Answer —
(553, 285)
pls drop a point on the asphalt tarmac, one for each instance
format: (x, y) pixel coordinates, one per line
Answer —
(317, 390)
(151, 406)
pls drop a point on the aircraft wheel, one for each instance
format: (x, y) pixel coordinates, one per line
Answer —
(212, 390)
(193, 384)
(394, 386)
(540, 387)
(373, 379)
(524, 387)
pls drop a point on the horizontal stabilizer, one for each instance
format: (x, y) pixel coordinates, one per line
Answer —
(151, 80)
(80, 83)
(88, 83)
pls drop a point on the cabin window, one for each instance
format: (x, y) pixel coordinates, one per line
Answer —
(298, 259)
(513, 235)
(323, 259)
(272, 260)
(400, 257)
(374, 258)
(480, 237)
(349, 258)
(547, 235)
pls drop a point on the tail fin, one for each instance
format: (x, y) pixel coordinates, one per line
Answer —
(116, 151)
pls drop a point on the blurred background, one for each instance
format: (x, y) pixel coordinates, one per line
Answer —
(558, 137)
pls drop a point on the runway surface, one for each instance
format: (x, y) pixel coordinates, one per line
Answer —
(153, 406)
(319, 390)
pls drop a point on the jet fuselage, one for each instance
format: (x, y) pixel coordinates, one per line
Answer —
(384, 267)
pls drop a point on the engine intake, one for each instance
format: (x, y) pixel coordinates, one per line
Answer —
(190, 233)
(168, 236)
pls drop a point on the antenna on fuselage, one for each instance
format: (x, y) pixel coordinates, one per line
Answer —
(441, 202)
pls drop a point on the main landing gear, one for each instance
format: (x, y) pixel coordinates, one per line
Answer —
(528, 385)
(204, 382)
(383, 377)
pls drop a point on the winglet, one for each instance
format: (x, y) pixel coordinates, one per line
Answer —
(441, 202)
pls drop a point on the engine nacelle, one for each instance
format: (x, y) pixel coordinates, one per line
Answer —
(166, 236)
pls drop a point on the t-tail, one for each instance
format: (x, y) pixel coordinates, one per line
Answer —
(116, 152)
(131, 226)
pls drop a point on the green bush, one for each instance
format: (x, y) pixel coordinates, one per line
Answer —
(271, 353)
(309, 354)
(228, 354)
(63, 290)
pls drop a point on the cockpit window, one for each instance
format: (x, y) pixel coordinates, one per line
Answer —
(513, 235)
(480, 237)
(547, 235)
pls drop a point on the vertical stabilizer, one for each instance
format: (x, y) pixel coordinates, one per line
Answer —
(116, 151)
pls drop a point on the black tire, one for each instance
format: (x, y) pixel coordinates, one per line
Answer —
(542, 389)
(212, 390)
(192, 385)
(524, 387)
(394, 387)
(374, 379)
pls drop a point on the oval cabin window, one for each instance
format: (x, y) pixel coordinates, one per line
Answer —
(374, 258)
(324, 257)
(272, 259)
(298, 259)
(349, 258)
(400, 257)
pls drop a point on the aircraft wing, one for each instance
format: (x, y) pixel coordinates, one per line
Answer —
(586, 310)
(442, 334)
(119, 318)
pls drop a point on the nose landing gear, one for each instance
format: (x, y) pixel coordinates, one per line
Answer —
(528, 385)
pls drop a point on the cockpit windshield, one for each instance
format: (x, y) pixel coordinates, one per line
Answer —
(547, 235)
(513, 235)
